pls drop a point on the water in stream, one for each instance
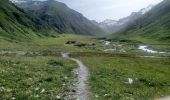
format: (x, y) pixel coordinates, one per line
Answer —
(145, 48)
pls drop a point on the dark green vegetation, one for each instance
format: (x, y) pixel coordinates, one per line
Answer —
(15, 24)
(152, 26)
(59, 18)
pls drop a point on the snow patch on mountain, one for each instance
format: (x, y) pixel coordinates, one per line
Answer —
(23, 1)
(112, 26)
(109, 22)
(18, 1)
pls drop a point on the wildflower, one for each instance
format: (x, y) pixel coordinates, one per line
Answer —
(13, 98)
(36, 89)
(58, 97)
(43, 90)
(106, 95)
(63, 84)
(96, 96)
(2, 89)
(65, 78)
(37, 96)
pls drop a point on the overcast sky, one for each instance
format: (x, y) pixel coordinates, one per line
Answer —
(100, 10)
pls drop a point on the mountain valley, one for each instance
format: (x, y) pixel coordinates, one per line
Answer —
(49, 51)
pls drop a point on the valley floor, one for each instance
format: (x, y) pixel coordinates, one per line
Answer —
(117, 71)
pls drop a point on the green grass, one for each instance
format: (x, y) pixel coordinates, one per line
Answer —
(24, 77)
(109, 74)
(14, 23)
(32, 78)
(59, 43)
(55, 44)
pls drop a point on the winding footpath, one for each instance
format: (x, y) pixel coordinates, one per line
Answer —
(82, 92)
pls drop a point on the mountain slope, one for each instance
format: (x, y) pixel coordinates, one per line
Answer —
(154, 25)
(113, 26)
(14, 22)
(59, 17)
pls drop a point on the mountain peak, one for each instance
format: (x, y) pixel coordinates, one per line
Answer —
(59, 17)
(145, 10)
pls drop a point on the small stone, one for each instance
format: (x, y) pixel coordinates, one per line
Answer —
(130, 80)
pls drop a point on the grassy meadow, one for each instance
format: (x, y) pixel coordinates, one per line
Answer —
(55, 44)
(35, 77)
(110, 74)
(42, 74)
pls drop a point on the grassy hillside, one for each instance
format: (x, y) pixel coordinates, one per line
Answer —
(52, 18)
(14, 22)
(57, 16)
(154, 25)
